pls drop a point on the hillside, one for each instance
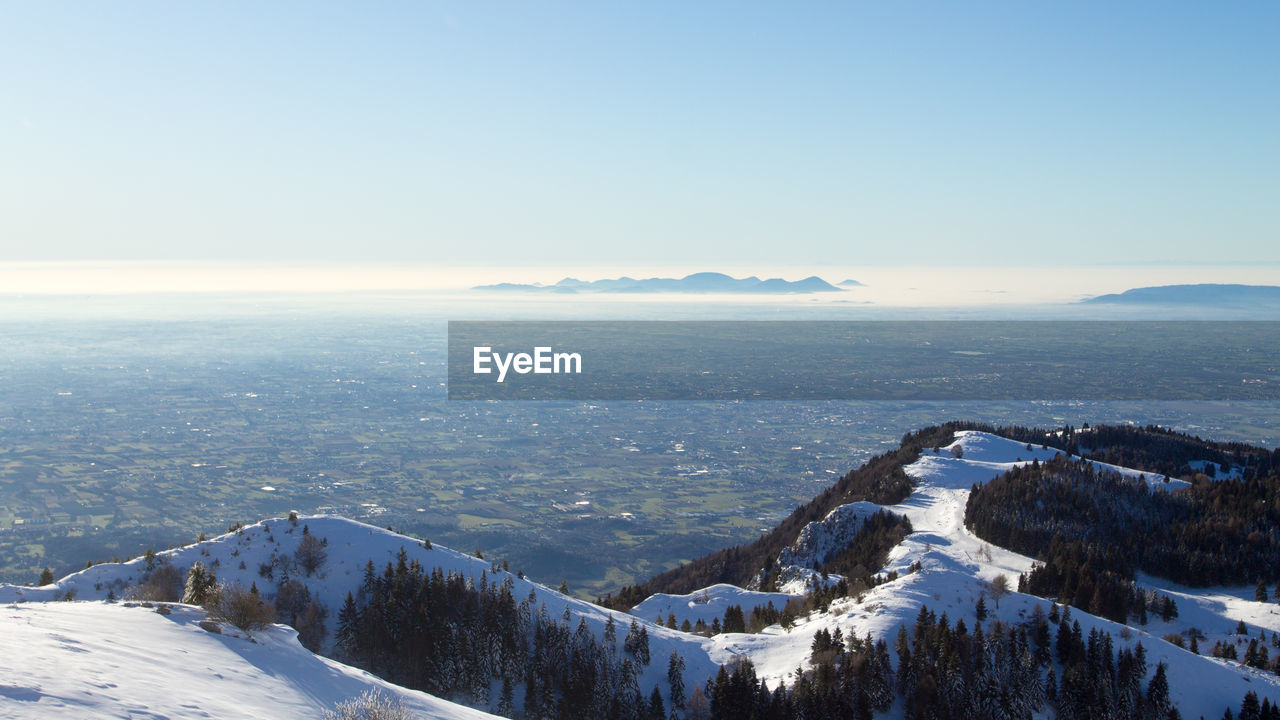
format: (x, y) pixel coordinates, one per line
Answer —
(943, 565)
(915, 580)
(882, 481)
(95, 659)
(265, 555)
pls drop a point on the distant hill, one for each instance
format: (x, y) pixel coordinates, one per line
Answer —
(1204, 294)
(850, 283)
(697, 283)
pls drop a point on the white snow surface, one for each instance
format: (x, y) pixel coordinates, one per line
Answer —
(350, 545)
(706, 604)
(1235, 473)
(958, 567)
(96, 659)
(276, 677)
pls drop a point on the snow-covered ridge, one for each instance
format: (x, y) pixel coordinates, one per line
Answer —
(239, 557)
(957, 568)
(707, 604)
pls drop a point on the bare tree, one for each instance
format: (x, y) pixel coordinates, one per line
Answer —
(311, 554)
(242, 608)
(999, 588)
(163, 584)
(372, 705)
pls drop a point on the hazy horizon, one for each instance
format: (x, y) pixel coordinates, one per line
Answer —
(904, 286)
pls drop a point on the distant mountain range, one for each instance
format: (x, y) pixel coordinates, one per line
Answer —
(697, 283)
(1206, 294)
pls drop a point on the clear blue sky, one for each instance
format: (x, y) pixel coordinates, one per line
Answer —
(614, 133)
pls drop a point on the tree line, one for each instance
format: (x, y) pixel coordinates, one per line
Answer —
(1211, 533)
(442, 633)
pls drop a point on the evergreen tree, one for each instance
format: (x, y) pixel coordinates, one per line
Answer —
(200, 583)
(675, 678)
(348, 625)
(734, 620)
(656, 709)
(1158, 694)
(46, 577)
(642, 647)
(1250, 709)
(506, 701)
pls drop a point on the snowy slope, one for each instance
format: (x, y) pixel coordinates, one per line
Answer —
(93, 659)
(958, 567)
(350, 545)
(707, 604)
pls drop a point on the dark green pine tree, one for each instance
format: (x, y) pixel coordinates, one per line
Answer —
(734, 620)
(348, 625)
(531, 706)
(1158, 693)
(506, 701)
(906, 678)
(1250, 709)
(656, 710)
(46, 577)
(642, 647)
(675, 678)
(981, 608)
(200, 583)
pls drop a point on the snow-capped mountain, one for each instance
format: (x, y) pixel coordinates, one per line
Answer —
(263, 555)
(132, 658)
(958, 567)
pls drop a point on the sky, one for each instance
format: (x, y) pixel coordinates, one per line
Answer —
(518, 134)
